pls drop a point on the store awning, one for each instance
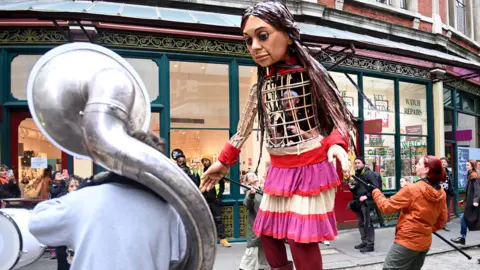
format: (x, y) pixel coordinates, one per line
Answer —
(310, 31)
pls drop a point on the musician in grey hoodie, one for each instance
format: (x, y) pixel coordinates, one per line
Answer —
(109, 225)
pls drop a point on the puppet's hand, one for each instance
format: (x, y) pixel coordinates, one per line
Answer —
(336, 151)
(212, 176)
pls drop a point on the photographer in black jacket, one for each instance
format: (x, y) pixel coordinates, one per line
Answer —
(448, 187)
(365, 205)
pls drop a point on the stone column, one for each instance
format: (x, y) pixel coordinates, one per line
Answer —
(438, 120)
(437, 20)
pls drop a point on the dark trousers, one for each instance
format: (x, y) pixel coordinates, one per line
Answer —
(449, 199)
(62, 261)
(379, 215)
(400, 257)
(305, 256)
(365, 224)
(216, 211)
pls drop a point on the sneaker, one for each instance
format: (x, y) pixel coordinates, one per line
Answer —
(458, 240)
(446, 228)
(326, 243)
(367, 249)
(360, 246)
(225, 243)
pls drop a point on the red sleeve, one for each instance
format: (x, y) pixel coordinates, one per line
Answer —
(335, 138)
(229, 155)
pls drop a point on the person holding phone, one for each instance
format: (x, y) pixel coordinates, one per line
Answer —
(8, 184)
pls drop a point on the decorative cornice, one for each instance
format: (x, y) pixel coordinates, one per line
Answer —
(149, 41)
(377, 65)
(172, 43)
(464, 86)
(31, 36)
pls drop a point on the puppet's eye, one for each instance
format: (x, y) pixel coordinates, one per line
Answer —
(263, 36)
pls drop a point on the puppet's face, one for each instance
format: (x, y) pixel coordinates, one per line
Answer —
(266, 44)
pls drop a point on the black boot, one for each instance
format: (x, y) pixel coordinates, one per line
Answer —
(288, 266)
(458, 240)
(367, 249)
(360, 246)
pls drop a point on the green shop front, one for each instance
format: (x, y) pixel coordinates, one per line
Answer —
(198, 84)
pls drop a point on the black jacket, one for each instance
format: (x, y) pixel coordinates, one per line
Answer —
(9, 190)
(211, 196)
(358, 189)
(447, 185)
(56, 190)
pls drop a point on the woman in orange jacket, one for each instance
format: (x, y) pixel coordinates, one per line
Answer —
(423, 210)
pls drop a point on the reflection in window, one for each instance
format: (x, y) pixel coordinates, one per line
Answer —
(413, 109)
(381, 94)
(380, 157)
(347, 90)
(448, 124)
(412, 149)
(447, 97)
(467, 130)
(199, 95)
(21, 67)
(249, 155)
(148, 72)
(198, 144)
(32, 144)
(468, 104)
(247, 78)
(155, 123)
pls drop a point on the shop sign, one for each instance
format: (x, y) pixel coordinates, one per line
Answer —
(38, 162)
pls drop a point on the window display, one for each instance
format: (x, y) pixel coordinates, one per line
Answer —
(381, 93)
(32, 144)
(198, 144)
(199, 95)
(347, 90)
(380, 157)
(412, 149)
(20, 70)
(413, 109)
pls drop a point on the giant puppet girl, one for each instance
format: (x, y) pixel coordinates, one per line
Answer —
(305, 124)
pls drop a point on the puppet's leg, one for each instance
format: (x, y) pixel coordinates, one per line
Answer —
(276, 253)
(306, 256)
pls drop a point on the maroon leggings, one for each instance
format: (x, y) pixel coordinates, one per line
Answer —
(305, 256)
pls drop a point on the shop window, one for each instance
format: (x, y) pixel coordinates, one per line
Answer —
(148, 72)
(249, 155)
(82, 167)
(347, 90)
(20, 71)
(32, 144)
(199, 95)
(155, 123)
(447, 97)
(467, 130)
(380, 157)
(412, 149)
(448, 124)
(198, 144)
(381, 107)
(413, 109)
(247, 78)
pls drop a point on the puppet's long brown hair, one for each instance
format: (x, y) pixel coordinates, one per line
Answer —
(332, 111)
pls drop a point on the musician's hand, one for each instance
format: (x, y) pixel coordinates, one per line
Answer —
(252, 191)
(475, 204)
(336, 151)
(293, 129)
(212, 176)
(363, 198)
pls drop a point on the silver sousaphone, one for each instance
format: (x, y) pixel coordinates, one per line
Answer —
(86, 99)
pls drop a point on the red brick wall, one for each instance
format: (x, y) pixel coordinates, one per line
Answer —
(425, 26)
(360, 9)
(443, 13)
(464, 43)
(328, 3)
(425, 7)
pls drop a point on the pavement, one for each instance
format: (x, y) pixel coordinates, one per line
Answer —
(341, 254)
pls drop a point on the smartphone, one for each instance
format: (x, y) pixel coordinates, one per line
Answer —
(10, 172)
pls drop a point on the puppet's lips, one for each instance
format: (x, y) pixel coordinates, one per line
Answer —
(261, 57)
